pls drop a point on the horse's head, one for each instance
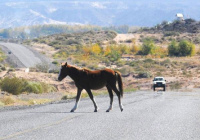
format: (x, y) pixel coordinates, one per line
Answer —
(63, 71)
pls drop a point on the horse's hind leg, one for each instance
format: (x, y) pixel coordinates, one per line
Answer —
(114, 88)
(93, 100)
(111, 98)
(77, 99)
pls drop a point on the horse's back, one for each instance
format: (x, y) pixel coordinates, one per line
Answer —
(99, 78)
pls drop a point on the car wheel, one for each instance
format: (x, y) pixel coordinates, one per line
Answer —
(164, 88)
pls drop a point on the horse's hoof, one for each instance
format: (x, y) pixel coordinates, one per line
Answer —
(108, 110)
(95, 110)
(72, 110)
(122, 109)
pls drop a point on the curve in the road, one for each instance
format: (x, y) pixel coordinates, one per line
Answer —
(25, 55)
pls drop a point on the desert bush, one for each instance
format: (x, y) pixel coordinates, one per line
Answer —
(147, 47)
(96, 49)
(123, 49)
(120, 63)
(72, 42)
(2, 67)
(12, 85)
(42, 67)
(38, 87)
(184, 48)
(166, 62)
(171, 33)
(56, 71)
(2, 55)
(134, 49)
(144, 75)
(114, 55)
(173, 49)
(35, 40)
(197, 40)
(53, 43)
(175, 85)
(60, 54)
(33, 87)
(43, 41)
(7, 101)
(55, 62)
(17, 86)
(65, 97)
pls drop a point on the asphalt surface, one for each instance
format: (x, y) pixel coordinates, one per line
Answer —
(147, 115)
(21, 55)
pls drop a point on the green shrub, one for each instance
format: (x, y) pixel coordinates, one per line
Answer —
(42, 67)
(38, 87)
(43, 41)
(55, 62)
(171, 33)
(53, 43)
(147, 47)
(17, 86)
(12, 85)
(2, 55)
(33, 87)
(184, 48)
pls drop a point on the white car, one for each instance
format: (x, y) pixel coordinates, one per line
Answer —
(159, 82)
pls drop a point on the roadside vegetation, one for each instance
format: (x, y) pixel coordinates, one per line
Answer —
(18, 86)
(2, 55)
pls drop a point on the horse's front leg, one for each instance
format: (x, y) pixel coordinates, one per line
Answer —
(77, 99)
(93, 100)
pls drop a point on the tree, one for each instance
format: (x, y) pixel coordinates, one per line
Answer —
(173, 49)
(96, 49)
(186, 48)
(148, 47)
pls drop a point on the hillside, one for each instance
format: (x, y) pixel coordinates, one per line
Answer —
(100, 12)
(59, 41)
(185, 26)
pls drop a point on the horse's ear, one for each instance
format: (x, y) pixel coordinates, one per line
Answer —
(66, 64)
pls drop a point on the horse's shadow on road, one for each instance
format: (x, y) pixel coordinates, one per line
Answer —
(60, 112)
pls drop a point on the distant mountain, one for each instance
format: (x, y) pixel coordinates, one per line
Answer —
(16, 13)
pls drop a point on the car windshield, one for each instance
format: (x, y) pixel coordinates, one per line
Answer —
(158, 79)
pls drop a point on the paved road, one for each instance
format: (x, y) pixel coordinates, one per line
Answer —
(146, 116)
(23, 54)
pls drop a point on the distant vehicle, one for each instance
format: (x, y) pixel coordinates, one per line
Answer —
(159, 82)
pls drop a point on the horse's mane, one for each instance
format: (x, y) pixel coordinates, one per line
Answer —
(80, 69)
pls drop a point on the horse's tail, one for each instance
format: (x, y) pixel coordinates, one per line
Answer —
(120, 84)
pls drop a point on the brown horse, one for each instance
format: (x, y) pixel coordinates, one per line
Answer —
(87, 79)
